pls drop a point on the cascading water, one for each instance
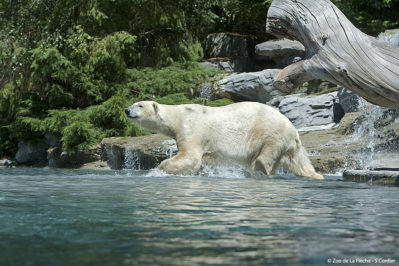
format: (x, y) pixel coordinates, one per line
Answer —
(377, 129)
(365, 131)
(132, 160)
(375, 136)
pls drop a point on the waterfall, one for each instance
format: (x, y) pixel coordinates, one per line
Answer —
(365, 129)
(132, 160)
(372, 131)
(206, 91)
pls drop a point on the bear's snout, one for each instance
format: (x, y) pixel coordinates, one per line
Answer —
(127, 111)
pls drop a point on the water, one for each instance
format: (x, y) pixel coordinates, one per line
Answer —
(375, 124)
(76, 217)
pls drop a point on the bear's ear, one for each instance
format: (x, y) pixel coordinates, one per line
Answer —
(156, 107)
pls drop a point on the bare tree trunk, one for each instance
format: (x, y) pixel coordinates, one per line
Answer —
(336, 51)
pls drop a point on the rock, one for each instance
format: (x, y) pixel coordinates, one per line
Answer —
(357, 142)
(384, 177)
(280, 48)
(140, 153)
(229, 45)
(282, 51)
(253, 86)
(348, 100)
(309, 111)
(331, 151)
(316, 86)
(58, 159)
(230, 65)
(391, 36)
(52, 140)
(31, 153)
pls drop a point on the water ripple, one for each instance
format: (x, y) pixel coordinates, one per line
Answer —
(67, 217)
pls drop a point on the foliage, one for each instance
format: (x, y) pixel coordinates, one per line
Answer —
(220, 102)
(371, 16)
(178, 77)
(174, 99)
(71, 67)
(180, 98)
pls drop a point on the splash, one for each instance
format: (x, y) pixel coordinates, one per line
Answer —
(221, 171)
(156, 172)
(213, 171)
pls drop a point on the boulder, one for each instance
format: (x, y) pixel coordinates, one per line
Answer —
(348, 100)
(282, 51)
(253, 86)
(385, 177)
(139, 153)
(58, 159)
(229, 65)
(310, 112)
(30, 153)
(35, 153)
(229, 45)
(280, 48)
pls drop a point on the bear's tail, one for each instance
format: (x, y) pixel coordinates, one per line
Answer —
(297, 161)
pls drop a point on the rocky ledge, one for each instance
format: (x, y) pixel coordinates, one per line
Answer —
(386, 177)
(140, 153)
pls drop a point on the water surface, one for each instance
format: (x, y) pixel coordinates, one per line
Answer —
(76, 217)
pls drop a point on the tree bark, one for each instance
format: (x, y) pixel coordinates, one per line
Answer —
(335, 51)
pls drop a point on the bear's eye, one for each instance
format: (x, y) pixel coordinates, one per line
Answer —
(140, 106)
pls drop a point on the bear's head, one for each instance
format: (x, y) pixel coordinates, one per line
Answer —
(146, 115)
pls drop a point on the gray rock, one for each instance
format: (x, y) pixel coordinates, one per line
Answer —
(240, 64)
(139, 153)
(253, 86)
(35, 153)
(31, 153)
(52, 140)
(282, 51)
(58, 159)
(229, 45)
(279, 48)
(384, 177)
(309, 111)
(348, 100)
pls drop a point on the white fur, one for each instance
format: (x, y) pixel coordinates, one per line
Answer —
(251, 134)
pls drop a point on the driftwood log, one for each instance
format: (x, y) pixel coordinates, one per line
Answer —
(336, 51)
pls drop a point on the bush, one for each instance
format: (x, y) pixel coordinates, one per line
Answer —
(220, 102)
(180, 98)
(79, 135)
(176, 78)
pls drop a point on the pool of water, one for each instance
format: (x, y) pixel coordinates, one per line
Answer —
(77, 217)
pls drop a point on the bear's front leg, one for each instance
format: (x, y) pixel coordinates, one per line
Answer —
(182, 163)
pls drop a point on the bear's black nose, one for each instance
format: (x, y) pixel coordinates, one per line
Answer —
(127, 111)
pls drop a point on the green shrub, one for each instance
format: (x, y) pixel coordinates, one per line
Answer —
(79, 135)
(176, 78)
(180, 98)
(220, 102)
(174, 99)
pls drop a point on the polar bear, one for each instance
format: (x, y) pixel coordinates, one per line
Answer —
(251, 134)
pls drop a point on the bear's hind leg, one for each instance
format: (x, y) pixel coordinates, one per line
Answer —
(297, 161)
(267, 160)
